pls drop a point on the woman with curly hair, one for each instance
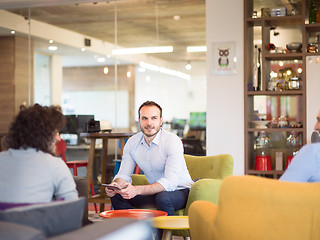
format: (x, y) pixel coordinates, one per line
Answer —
(29, 170)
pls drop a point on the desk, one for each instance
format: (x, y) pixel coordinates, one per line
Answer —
(101, 198)
(170, 223)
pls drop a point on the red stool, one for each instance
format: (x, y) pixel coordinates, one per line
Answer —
(61, 148)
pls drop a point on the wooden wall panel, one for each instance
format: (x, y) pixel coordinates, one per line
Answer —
(14, 74)
(22, 72)
(7, 90)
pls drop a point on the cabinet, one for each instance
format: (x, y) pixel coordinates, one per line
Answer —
(275, 91)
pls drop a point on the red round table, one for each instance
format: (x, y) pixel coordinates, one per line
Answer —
(133, 213)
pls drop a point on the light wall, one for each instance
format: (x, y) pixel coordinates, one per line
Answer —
(313, 93)
(225, 100)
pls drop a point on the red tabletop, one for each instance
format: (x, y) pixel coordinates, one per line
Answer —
(133, 213)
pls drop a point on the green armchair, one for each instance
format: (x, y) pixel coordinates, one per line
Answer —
(211, 170)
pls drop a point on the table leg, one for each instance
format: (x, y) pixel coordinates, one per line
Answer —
(103, 170)
(122, 143)
(90, 162)
(167, 234)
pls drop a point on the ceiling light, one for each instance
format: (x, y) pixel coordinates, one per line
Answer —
(299, 70)
(101, 59)
(281, 63)
(83, 49)
(52, 48)
(197, 49)
(105, 70)
(13, 32)
(176, 17)
(149, 66)
(141, 69)
(175, 73)
(165, 70)
(50, 41)
(128, 74)
(188, 66)
(142, 50)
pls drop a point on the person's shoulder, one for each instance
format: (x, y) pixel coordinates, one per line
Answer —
(315, 146)
(166, 135)
(135, 139)
(136, 136)
(309, 149)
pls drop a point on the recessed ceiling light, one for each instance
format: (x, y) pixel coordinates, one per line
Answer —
(101, 59)
(188, 66)
(52, 48)
(50, 41)
(176, 17)
(13, 32)
(83, 49)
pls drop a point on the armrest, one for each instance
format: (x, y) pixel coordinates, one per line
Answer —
(139, 179)
(82, 188)
(202, 215)
(204, 189)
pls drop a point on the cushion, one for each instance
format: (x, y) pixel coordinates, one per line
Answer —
(13, 231)
(5, 205)
(51, 218)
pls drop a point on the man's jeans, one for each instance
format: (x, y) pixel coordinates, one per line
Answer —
(164, 201)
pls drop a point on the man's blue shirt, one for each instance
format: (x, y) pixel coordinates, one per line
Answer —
(305, 166)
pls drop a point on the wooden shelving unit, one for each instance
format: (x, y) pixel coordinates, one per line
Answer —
(299, 21)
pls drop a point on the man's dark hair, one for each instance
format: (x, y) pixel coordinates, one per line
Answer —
(150, 103)
(35, 127)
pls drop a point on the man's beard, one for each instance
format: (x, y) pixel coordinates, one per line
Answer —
(149, 135)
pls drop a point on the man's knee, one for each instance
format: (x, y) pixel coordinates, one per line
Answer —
(163, 198)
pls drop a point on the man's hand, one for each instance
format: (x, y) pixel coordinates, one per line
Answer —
(128, 191)
(111, 192)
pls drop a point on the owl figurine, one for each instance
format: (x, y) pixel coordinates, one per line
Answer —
(223, 59)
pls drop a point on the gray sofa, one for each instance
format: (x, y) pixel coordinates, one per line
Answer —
(67, 220)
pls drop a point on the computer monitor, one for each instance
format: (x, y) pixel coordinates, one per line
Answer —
(178, 123)
(82, 120)
(71, 124)
(197, 121)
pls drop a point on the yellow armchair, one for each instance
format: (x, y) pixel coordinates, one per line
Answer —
(254, 208)
(211, 170)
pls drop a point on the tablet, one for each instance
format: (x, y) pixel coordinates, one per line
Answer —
(111, 186)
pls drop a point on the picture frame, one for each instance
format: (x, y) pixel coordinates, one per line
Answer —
(224, 58)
